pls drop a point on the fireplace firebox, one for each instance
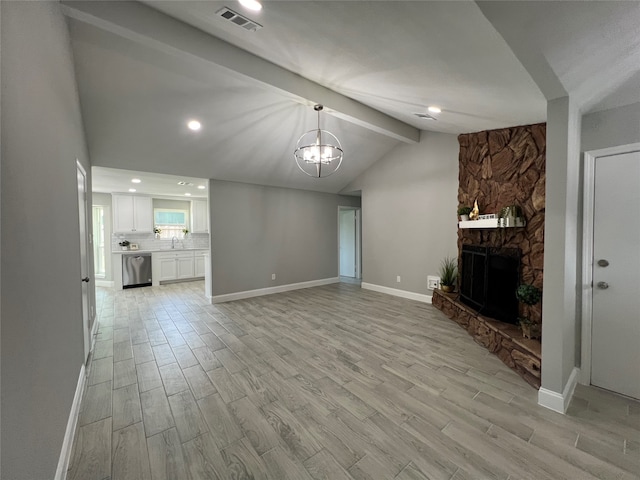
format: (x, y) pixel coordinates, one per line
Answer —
(489, 278)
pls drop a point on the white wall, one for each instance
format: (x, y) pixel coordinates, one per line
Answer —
(259, 230)
(409, 222)
(42, 134)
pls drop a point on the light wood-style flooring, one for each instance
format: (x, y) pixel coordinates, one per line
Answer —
(331, 383)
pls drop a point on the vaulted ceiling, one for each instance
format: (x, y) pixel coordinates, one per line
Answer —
(143, 70)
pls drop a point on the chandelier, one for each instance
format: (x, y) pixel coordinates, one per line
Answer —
(318, 152)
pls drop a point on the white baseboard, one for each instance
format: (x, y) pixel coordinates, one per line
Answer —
(228, 297)
(67, 443)
(104, 283)
(559, 402)
(397, 293)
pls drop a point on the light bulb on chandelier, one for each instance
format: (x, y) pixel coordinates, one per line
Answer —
(318, 152)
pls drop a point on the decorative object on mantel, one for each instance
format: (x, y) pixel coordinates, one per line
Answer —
(448, 274)
(125, 244)
(510, 216)
(463, 213)
(318, 152)
(157, 231)
(473, 215)
(529, 295)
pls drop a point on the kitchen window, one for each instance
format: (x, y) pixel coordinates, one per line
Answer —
(170, 221)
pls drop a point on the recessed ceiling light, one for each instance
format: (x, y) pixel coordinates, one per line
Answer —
(251, 5)
(194, 125)
(201, 187)
(187, 194)
(136, 180)
(132, 190)
(434, 109)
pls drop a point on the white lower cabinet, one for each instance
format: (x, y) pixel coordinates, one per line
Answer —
(180, 265)
(184, 267)
(199, 268)
(168, 270)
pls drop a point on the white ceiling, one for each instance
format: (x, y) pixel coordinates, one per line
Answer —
(113, 180)
(142, 75)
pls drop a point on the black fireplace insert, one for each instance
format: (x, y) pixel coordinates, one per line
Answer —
(489, 278)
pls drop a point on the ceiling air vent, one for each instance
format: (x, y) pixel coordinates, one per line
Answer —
(425, 116)
(239, 20)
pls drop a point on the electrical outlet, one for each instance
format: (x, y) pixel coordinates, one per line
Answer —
(273, 276)
(398, 279)
(433, 282)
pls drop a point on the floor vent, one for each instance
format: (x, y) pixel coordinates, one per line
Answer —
(237, 19)
(425, 116)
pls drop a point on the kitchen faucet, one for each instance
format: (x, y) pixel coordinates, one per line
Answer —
(173, 240)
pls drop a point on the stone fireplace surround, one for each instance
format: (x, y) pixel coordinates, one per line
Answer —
(500, 168)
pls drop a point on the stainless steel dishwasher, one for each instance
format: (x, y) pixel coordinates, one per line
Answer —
(136, 270)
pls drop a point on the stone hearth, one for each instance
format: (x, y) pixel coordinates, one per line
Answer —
(504, 340)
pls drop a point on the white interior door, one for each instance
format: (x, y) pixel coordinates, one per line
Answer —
(347, 226)
(615, 336)
(84, 257)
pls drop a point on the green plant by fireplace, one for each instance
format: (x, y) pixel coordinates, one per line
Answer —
(463, 213)
(529, 295)
(448, 274)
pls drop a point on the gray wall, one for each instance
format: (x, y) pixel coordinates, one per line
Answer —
(610, 128)
(258, 230)
(562, 241)
(104, 199)
(409, 222)
(42, 134)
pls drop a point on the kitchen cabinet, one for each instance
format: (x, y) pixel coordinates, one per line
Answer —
(184, 266)
(132, 214)
(180, 265)
(198, 263)
(199, 216)
(168, 268)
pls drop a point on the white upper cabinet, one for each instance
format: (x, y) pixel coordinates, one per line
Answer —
(132, 213)
(199, 216)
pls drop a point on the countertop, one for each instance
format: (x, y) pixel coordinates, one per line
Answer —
(163, 250)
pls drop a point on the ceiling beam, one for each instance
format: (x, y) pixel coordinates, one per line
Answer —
(143, 24)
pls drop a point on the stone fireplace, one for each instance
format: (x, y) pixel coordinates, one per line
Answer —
(499, 168)
(488, 281)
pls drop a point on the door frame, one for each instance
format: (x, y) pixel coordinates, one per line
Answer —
(588, 210)
(358, 252)
(86, 322)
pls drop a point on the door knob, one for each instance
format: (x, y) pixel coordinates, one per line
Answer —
(603, 263)
(86, 279)
(603, 285)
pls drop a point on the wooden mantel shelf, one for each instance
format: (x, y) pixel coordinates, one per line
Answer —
(504, 340)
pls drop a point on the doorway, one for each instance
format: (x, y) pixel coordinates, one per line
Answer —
(349, 257)
(611, 266)
(85, 249)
